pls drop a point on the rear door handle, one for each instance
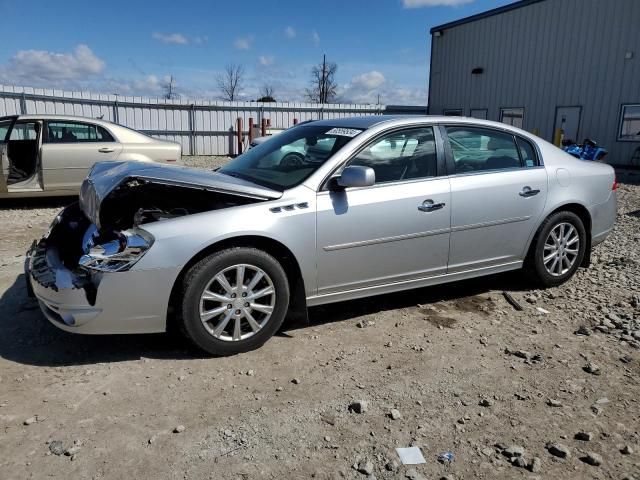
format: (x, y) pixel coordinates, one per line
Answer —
(105, 150)
(429, 206)
(528, 192)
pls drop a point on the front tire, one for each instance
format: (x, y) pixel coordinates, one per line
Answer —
(559, 248)
(234, 300)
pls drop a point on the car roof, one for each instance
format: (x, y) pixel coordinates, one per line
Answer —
(71, 118)
(369, 121)
(122, 134)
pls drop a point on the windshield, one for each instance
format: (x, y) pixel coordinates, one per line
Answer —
(290, 157)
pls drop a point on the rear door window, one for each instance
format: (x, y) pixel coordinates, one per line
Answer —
(71, 132)
(479, 149)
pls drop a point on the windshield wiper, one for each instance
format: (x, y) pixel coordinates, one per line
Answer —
(232, 174)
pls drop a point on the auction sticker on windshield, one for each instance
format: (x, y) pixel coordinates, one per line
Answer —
(344, 132)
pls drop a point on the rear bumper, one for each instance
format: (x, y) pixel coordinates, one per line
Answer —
(133, 301)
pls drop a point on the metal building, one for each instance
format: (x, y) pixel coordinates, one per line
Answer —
(544, 65)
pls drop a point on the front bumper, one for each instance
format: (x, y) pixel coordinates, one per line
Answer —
(74, 300)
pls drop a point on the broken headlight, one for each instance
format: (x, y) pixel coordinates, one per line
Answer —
(116, 253)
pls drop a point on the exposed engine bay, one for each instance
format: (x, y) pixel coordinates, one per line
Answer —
(136, 202)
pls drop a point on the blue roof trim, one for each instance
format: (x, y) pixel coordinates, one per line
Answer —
(488, 13)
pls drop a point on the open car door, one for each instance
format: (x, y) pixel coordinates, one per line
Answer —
(6, 123)
(4, 167)
(23, 173)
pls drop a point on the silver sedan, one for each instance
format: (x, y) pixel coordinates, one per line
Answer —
(49, 155)
(367, 206)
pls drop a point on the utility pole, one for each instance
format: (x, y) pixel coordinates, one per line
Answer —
(323, 83)
(169, 93)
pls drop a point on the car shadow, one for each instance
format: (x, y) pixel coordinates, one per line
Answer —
(510, 282)
(27, 337)
(37, 202)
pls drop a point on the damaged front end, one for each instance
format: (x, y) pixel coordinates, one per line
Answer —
(98, 240)
(128, 194)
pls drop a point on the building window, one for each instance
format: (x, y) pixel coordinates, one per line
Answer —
(480, 113)
(512, 116)
(453, 112)
(630, 124)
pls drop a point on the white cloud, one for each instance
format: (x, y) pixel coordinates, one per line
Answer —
(316, 38)
(243, 43)
(433, 3)
(369, 80)
(41, 67)
(172, 38)
(290, 32)
(372, 86)
(266, 60)
(200, 40)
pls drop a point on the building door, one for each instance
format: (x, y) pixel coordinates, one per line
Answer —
(568, 119)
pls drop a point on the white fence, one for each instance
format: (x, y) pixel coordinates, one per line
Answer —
(202, 127)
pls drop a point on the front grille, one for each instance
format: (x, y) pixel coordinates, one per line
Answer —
(41, 272)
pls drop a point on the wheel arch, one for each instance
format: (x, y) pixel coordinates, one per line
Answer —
(298, 302)
(578, 209)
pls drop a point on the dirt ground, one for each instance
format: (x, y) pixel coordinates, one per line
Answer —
(448, 369)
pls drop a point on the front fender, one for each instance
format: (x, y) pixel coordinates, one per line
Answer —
(179, 240)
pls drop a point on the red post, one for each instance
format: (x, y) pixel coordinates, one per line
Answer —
(263, 128)
(295, 121)
(239, 129)
(250, 130)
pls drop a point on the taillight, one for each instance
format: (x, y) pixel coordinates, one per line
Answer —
(614, 187)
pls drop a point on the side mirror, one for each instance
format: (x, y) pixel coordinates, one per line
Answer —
(356, 176)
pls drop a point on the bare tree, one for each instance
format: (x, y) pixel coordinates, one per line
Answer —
(169, 88)
(266, 93)
(230, 81)
(323, 85)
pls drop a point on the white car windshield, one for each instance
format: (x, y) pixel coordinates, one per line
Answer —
(287, 159)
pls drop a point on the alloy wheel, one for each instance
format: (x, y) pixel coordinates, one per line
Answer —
(561, 249)
(237, 302)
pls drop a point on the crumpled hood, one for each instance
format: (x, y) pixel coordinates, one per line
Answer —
(105, 177)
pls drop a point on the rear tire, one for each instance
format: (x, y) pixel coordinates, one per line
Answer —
(558, 249)
(234, 300)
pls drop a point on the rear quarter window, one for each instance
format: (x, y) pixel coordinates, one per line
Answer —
(528, 153)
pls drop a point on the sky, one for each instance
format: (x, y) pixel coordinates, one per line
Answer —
(131, 47)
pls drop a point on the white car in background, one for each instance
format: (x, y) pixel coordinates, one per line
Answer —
(50, 155)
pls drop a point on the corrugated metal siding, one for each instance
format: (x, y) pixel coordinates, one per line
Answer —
(545, 55)
(202, 127)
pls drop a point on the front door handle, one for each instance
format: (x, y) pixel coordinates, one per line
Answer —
(105, 150)
(528, 192)
(429, 206)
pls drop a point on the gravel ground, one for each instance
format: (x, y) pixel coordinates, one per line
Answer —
(551, 391)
